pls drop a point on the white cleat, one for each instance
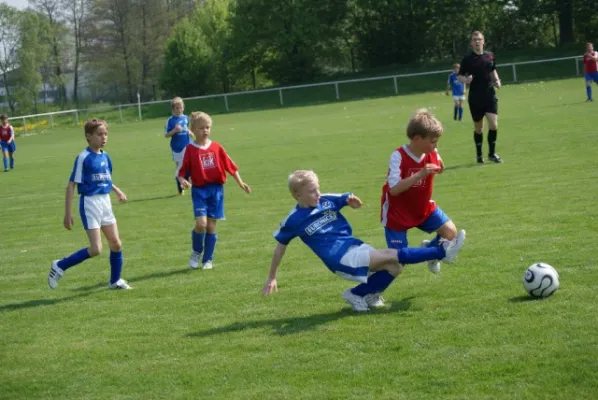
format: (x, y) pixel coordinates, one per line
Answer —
(207, 265)
(357, 302)
(374, 300)
(433, 265)
(120, 284)
(55, 274)
(194, 260)
(452, 247)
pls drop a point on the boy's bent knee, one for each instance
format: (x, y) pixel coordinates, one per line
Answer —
(394, 269)
(94, 251)
(115, 245)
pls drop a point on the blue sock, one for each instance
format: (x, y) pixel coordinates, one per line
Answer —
(197, 241)
(12, 162)
(73, 259)
(414, 255)
(455, 112)
(460, 113)
(116, 265)
(211, 239)
(435, 241)
(377, 283)
(588, 92)
(5, 163)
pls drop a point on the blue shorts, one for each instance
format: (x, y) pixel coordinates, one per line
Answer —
(398, 240)
(10, 147)
(208, 201)
(592, 76)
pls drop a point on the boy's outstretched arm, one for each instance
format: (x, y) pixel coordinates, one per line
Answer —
(240, 182)
(271, 284)
(121, 195)
(68, 203)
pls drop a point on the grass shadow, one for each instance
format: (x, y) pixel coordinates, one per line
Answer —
(141, 278)
(462, 166)
(151, 199)
(523, 299)
(288, 326)
(41, 302)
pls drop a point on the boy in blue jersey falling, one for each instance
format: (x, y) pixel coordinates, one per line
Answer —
(317, 221)
(92, 174)
(457, 88)
(177, 129)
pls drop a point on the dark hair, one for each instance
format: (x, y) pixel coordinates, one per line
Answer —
(92, 124)
(3, 117)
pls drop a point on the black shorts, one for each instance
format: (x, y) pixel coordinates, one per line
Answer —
(481, 106)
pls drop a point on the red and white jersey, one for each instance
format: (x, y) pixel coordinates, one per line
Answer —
(413, 206)
(6, 132)
(206, 164)
(588, 64)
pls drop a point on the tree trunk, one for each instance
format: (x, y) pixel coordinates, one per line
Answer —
(565, 10)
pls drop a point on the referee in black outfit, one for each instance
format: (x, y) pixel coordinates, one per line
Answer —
(478, 69)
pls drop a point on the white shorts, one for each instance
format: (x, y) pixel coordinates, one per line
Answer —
(355, 264)
(456, 98)
(177, 157)
(96, 211)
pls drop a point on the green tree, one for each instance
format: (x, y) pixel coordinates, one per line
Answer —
(9, 44)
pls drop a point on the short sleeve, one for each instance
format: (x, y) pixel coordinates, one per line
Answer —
(286, 232)
(77, 173)
(394, 169)
(464, 68)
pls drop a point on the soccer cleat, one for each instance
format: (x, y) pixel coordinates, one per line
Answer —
(357, 302)
(55, 274)
(207, 265)
(181, 192)
(433, 265)
(452, 247)
(374, 300)
(5, 170)
(194, 260)
(480, 160)
(589, 100)
(119, 284)
(494, 157)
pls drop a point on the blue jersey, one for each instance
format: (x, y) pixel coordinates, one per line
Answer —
(323, 228)
(92, 173)
(457, 86)
(181, 139)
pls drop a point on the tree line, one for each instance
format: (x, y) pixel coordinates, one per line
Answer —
(116, 49)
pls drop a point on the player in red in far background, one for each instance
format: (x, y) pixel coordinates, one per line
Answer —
(590, 66)
(7, 141)
(207, 163)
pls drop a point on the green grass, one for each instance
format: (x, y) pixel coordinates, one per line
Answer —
(468, 333)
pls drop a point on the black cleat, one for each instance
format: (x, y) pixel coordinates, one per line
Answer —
(494, 157)
(480, 160)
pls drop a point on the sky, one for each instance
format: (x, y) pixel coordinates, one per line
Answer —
(20, 4)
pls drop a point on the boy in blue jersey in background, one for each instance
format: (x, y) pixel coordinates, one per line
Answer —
(457, 88)
(317, 220)
(177, 129)
(92, 174)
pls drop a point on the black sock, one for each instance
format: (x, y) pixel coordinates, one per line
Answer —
(479, 140)
(455, 112)
(492, 141)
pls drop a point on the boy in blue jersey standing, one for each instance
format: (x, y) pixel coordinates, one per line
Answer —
(92, 174)
(317, 221)
(457, 88)
(177, 129)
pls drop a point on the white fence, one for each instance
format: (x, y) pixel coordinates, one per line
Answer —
(124, 112)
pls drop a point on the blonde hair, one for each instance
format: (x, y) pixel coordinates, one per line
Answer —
(424, 124)
(198, 116)
(456, 65)
(300, 179)
(175, 101)
(91, 125)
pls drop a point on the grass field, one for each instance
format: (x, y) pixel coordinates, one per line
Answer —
(469, 333)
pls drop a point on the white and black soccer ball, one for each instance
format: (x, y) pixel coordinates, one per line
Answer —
(541, 280)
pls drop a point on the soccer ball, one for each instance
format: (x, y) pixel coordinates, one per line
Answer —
(541, 280)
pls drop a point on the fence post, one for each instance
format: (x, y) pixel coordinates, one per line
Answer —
(51, 122)
(24, 126)
(394, 78)
(226, 102)
(576, 66)
(139, 105)
(338, 97)
(76, 117)
(514, 73)
(280, 96)
(120, 113)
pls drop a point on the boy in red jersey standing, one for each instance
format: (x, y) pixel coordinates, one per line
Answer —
(207, 163)
(407, 193)
(7, 142)
(590, 66)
